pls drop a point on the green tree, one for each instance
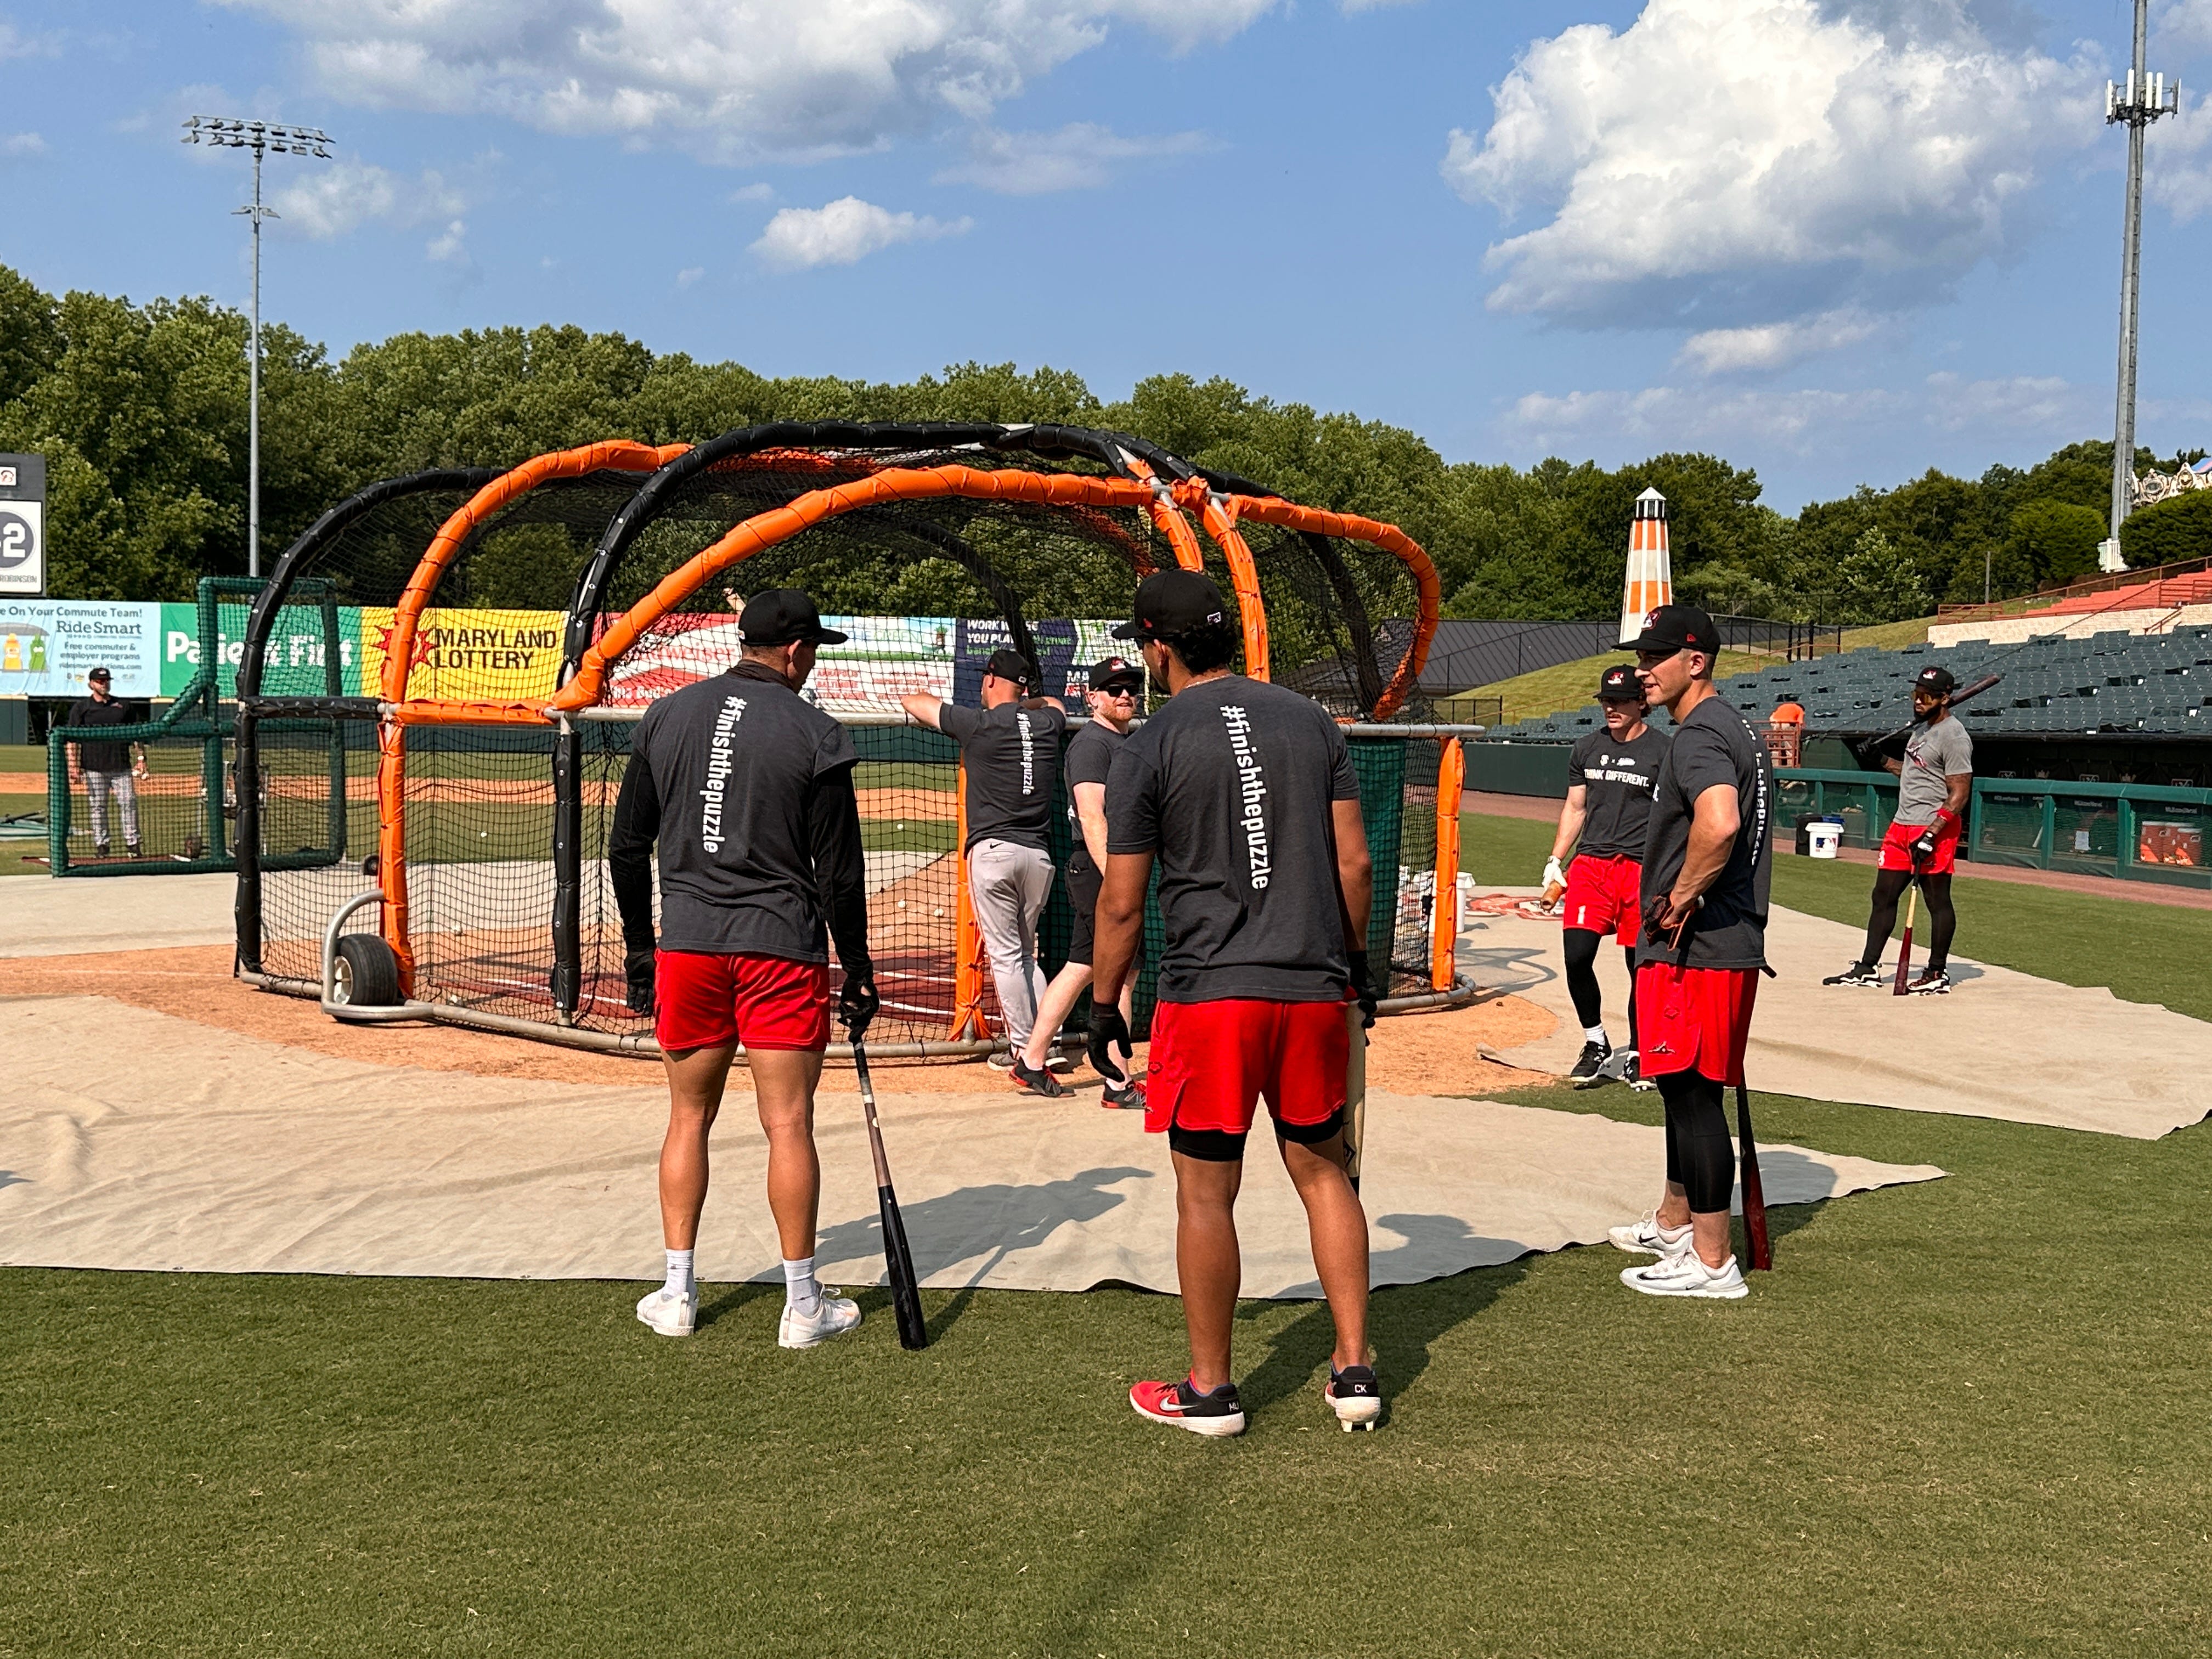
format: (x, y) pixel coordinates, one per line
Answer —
(2170, 532)
(30, 335)
(1879, 582)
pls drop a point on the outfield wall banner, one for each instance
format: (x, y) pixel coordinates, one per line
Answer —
(1066, 651)
(884, 659)
(488, 656)
(48, 646)
(292, 666)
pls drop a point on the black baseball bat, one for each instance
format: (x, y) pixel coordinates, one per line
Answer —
(1952, 701)
(1754, 1195)
(905, 1291)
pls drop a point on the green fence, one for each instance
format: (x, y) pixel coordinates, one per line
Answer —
(2128, 832)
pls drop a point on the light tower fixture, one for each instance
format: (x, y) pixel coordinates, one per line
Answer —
(2142, 99)
(259, 136)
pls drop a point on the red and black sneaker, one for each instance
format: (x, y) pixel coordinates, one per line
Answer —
(1217, 1414)
(1037, 1081)
(1355, 1395)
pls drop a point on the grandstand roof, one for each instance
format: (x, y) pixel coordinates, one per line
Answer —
(2138, 685)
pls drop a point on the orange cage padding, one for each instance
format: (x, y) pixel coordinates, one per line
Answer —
(1443, 925)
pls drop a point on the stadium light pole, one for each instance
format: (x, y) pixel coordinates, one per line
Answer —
(259, 136)
(2140, 101)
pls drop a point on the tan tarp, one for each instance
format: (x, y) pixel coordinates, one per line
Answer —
(133, 1139)
(2003, 1045)
(80, 914)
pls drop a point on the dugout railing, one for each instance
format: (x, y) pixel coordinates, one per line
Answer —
(489, 814)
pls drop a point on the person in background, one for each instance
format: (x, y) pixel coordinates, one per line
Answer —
(107, 767)
(1785, 732)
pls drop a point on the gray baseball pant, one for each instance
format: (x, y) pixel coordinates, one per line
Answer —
(1008, 887)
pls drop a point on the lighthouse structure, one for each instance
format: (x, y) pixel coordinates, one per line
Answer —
(1651, 581)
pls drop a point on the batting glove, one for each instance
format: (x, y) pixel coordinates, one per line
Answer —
(1363, 988)
(637, 971)
(1553, 876)
(857, 1003)
(1108, 1031)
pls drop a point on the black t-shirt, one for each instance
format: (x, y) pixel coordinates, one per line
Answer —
(1013, 755)
(1090, 758)
(747, 789)
(1230, 785)
(1712, 746)
(94, 754)
(1617, 780)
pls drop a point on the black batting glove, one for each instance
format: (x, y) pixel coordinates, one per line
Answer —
(858, 1002)
(1108, 1029)
(637, 974)
(1363, 988)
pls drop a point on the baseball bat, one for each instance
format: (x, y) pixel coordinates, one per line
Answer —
(906, 1292)
(1754, 1195)
(1952, 701)
(1905, 950)
(1355, 1092)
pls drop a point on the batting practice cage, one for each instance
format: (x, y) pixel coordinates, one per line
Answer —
(440, 680)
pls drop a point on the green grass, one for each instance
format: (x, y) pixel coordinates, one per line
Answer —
(15, 855)
(1945, 1425)
(1888, 637)
(2142, 952)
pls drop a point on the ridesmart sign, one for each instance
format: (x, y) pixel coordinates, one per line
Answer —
(22, 526)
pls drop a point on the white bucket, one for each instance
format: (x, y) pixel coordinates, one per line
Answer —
(1824, 841)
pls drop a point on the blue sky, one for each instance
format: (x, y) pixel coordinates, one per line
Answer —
(1839, 243)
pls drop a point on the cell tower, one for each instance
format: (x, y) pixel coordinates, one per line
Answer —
(2140, 101)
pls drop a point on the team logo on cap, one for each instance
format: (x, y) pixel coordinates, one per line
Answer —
(1651, 619)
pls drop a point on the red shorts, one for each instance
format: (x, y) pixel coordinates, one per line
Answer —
(1897, 848)
(1693, 1019)
(1603, 896)
(708, 1000)
(1212, 1063)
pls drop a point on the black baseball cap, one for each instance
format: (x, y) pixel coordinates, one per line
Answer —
(784, 616)
(1108, 671)
(1677, 627)
(1173, 603)
(1012, 665)
(99, 674)
(1936, 680)
(1620, 685)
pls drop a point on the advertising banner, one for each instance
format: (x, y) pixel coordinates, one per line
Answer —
(292, 666)
(488, 656)
(1066, 650)
(22, 526)
(48, 646)
(885, 658)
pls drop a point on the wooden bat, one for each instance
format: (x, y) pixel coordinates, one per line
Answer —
(906, 1291)
(1355, 1092)
(1952, 701)
(1754, 1195)
(1905, 950)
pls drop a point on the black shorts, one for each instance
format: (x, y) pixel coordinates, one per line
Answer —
(1084, 885)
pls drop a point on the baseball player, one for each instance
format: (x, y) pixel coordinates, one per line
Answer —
(1244, 794)
(1700, 952)
(1009, 749)
(747, 790)
(1610, 775)
(1935, 781)
(107, 768)
(1116, 692)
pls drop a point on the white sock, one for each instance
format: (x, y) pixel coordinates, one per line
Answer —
(1596, 1034)
(679, 1281)
(800, 1288)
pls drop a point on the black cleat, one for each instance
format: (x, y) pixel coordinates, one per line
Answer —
(1859, 973)
(1593, 1056)
(1355, 1395)
(1936, 982)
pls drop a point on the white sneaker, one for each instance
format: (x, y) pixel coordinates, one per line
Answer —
(669, 1312)
(1000, 1059)
(837, 1316)
(1687, 1275)
(1648, 1237)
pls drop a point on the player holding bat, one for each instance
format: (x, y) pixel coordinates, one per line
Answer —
(1244, 794)
(1703, 946)
(1935, 779)
(747, 790)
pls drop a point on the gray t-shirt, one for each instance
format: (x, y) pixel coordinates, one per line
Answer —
(1713, 746)
(1617, 780)
(1012, 756)
(1230, 786)
(1932, 754)
(1091, 754)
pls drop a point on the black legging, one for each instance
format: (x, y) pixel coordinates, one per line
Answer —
(1889, 886)
(1700, 1154)
(1581, 952)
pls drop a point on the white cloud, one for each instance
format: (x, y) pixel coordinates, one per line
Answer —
(689, 275)
(753, 194)
(450, 246)
(1741, 162)
(2178, 159)
(1079, 156)
(14, 145)
(785, 78)
(2184, 29)
(847, 230)
(332, 200)
(14, 43)
(1803, 420)
(1775, 345)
